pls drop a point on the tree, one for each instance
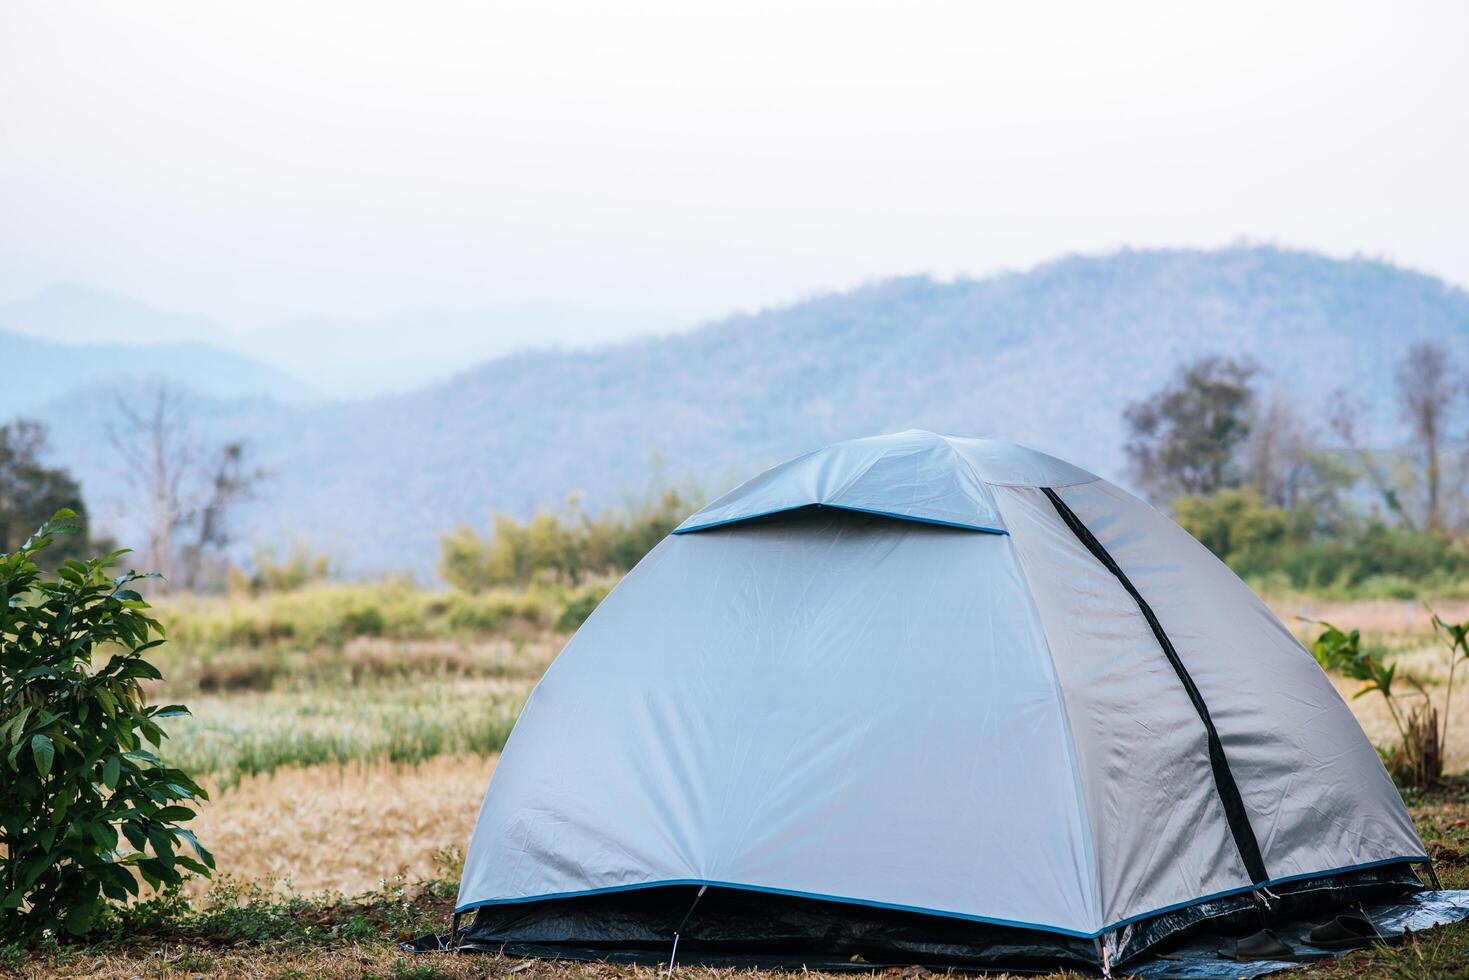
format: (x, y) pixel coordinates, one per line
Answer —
(1285, 471)
(189, 488)
(30, 491)
(1183, 440)
(1344, 413)
(1428, 393)
(1418, 486)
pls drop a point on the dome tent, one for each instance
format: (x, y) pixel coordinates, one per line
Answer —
(918, 698)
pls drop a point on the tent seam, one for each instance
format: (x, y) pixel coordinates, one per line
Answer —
(1093, 478)
(1236, 815)
(1093, 868)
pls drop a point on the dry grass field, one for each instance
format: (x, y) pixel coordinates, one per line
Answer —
(346, 828)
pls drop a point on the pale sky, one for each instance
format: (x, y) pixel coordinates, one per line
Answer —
(260, 160)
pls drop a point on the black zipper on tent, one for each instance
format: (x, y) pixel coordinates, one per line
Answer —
(1229, 796)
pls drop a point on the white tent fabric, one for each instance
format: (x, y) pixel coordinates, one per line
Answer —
(974, 719)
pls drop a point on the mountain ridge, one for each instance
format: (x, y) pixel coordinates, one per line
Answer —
(32, 367)
(1047, 358)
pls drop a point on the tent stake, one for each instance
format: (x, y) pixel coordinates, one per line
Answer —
(673, 953)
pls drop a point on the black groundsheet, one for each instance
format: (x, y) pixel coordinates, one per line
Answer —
(1199, 959)
(1196, 959)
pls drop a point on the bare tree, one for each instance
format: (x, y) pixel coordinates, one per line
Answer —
(1427, 396)
(1344, 414)
(1284, 467)
(189, 487)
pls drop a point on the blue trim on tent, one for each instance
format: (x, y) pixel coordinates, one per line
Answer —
(855, 510)
(1415, 859)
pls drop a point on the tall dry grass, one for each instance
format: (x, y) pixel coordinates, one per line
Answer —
(345, 828)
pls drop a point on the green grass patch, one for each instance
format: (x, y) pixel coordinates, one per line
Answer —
(245, 734)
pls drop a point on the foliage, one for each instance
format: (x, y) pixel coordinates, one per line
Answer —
(1287, 550)
(1363, 559)
(1419, 759)
(30, 492)
(1236, 525)
(576, 611)
(1456, 639)
(1184, 439)
(300, 566)
(77, 768)
(568, 546)
(329, 616)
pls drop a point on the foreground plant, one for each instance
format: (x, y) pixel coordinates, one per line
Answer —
(76, 776)
(1419, 759)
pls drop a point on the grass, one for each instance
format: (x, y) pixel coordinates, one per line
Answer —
(254, 733)
(244, 642)
(345, 828)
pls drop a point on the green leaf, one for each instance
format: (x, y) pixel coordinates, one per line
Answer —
(79, 919)
(44, 752)
(171, 711)
(13, 728)
(110, 772)
(193, 865)
(134, 834)
(199, 849)
(171, 814)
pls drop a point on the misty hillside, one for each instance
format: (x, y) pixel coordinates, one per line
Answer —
(36, 372)
(1048, 358)
(336, 357)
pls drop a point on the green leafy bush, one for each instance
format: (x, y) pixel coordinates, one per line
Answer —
(77, 778)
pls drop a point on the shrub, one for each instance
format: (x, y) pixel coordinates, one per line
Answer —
(569, 546)
(77, 770)
(579, 607)
(1234, 524)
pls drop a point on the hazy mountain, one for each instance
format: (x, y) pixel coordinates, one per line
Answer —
(395, 354)
(36, 372)
(1048, 358)
(337, 357)
(74, 314)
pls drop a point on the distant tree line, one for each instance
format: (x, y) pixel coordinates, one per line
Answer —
(1307, 506)
(568, 546)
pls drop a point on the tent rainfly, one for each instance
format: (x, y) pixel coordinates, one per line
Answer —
(919, 698)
